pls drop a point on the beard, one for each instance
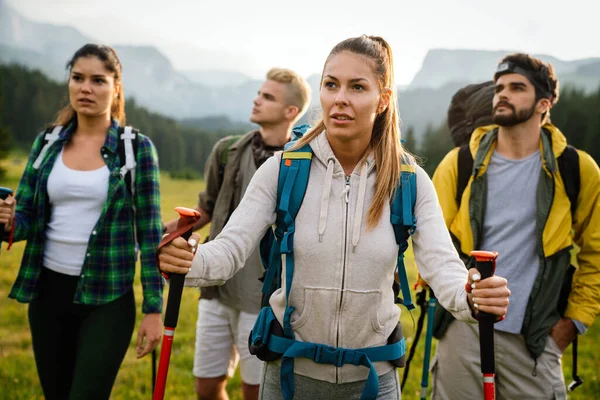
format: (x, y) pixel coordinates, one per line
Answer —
(515, 118)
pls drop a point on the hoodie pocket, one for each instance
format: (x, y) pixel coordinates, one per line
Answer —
(361, 323)
(316, 315)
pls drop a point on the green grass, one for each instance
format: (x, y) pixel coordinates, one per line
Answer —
(18, 377)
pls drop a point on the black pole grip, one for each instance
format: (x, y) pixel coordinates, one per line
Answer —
(4, 193)
(176, 282)
(486, 325)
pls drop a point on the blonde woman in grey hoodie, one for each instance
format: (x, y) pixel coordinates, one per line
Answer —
(344, 245)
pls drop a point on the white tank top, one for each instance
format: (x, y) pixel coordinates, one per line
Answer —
(76, 202)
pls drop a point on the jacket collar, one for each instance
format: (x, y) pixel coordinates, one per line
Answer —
(552, 145)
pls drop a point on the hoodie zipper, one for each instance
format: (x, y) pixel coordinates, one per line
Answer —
(337, 341)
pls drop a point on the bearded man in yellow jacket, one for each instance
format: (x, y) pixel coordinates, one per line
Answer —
(516, 203)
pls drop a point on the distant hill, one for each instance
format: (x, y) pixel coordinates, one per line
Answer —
(216, 78)
(196, 94)
(31, 59)
(442, 66)
(54, 44)
(217, 123)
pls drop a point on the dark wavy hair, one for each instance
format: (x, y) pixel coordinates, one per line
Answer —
(111, 62)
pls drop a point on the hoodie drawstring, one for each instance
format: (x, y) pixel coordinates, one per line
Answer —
(358, 213)
(325, 198)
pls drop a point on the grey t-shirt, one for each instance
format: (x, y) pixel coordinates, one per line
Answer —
(509, 228)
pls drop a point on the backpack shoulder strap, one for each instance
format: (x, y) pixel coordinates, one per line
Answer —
(568, 165)
(127, 146)
(294, 173)
(465, 170)
(404, 223)
(50, 136)
(127, 149)
(224, 156)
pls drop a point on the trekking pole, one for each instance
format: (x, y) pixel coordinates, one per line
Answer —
(577, 381)
(486, 264)
(185, 227)
(428, 342)
(4, 193)
(421, 303)
(153, 370)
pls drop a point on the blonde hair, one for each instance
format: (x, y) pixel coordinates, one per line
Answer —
(385, 138)
(111, 62)
(298, 88)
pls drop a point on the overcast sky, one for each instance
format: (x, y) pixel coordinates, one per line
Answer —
(258, 34)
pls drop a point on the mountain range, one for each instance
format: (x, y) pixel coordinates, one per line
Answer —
(192, 95)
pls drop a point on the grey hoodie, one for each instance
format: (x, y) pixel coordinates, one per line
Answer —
(342, 288)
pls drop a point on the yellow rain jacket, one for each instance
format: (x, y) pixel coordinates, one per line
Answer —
(559, 231)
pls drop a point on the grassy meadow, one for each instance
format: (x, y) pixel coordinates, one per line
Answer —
(18, 377)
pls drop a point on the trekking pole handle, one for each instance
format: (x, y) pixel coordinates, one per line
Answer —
(4, 193)
(486, 262)
(177, 281)
(486, 265)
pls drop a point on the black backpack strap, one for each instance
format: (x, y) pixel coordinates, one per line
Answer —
(465, 169)
(568, 165)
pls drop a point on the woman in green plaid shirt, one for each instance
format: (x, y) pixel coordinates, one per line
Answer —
(77, 214)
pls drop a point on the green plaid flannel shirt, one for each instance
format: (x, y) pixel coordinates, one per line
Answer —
(109, 267)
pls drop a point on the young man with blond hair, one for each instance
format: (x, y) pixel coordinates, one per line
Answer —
(227, 313)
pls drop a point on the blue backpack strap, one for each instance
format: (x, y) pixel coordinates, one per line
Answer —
(323, 354)
(293, 179)
(269, 248)
(404, 223)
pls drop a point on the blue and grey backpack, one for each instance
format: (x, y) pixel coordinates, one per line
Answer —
(269, 340)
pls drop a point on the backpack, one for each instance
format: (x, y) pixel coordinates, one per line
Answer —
(470, 108)
(268, 339)
(126, 148)
(297, 132)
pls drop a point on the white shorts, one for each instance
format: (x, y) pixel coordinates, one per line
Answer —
(222, 341)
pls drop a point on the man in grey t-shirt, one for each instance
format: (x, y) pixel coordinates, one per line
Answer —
(517, 204)
(227, 313)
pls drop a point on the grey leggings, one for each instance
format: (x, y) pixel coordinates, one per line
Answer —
(312, 389)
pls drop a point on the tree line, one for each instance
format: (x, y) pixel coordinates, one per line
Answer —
(29, 101)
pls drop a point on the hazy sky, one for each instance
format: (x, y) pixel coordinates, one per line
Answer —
(256, 35)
